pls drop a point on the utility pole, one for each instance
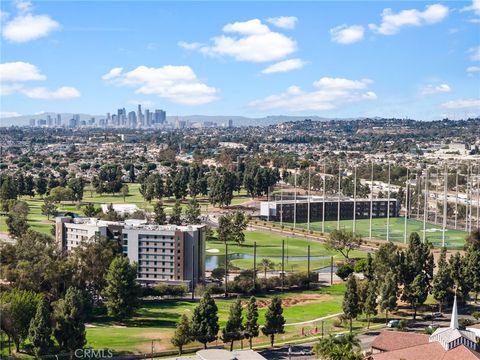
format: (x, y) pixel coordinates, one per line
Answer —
(295, 202)
(193, 272)
(283, 264)
(407, 186)
(371, 204)
(226, 269)
(436, 197)
(324, 194)
(445, 204)
(254, 264)
(339, 190)
(456, 197)
(308, 267)
(425, 207)
(308, 201)
(354, 197)
(281, 203)
(388, 204)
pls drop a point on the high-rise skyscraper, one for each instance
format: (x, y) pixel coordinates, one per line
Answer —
(139, 116)
(160, 116)
(148, 118)
(132, 119)
(58, 120)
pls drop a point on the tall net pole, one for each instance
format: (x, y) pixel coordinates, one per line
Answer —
(467, 191)
(388, 204)
(406, 210)
(281, 203)
(371, 204)
(436, 196)
(456, 197)
(354, 197)
(445, 203)
(324, 194)
(339, 189)
(418, 189)
(425, 207)
(478, 197)
(295, 201)
(308, 201)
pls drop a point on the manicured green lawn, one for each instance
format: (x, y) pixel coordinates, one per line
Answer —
(269, 245)
(453, 238)
(156, 320)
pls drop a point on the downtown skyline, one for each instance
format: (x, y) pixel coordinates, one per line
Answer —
(395, 59)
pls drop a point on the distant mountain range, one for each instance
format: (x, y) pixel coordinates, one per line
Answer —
(219, 119)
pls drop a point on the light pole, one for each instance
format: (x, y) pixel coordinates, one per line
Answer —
(371, 203)
(354, 197)
(388, 204)
(407, 185)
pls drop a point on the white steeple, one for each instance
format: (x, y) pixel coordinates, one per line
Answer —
(454, 321)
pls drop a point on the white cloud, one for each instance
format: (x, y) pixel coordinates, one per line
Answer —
(329, 94)
(284, 22)
(462, 104)
(344, 34)
(7, 114)
(26, 26)
(62, 93)
(250, 41)
(144, 103)
(474, 53)
(284, 66)
(178, 84)
(475, 7)
(472, 70)
(393, 22)
(13, 75)
(189, 46)
(20, 71)
(435, 89)
(112, 73)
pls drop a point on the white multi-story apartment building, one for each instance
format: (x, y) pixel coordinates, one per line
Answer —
(163, 253)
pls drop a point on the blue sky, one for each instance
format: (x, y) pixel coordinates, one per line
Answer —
(333, 59)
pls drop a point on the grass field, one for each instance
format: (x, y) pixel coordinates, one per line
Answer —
(269, 245)
(453, 238)
(39, 222)
(156, 320)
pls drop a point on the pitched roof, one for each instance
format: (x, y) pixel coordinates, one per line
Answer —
(394, 340)
(431, 351)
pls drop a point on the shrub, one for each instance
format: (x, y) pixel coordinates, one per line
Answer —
(476, 315)
(344, 271)
(360, 265)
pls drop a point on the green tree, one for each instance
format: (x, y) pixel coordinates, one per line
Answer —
(205, 320)
(17, 225)
(442, 281)
(266, 265)
(251, 321)
(90, 211)
(225, 228)
(338, 348)
(388, 294)
(159, 217)
(124, 190)
(233, 329)
(40, 330)
(41, 185)
(370, 304)
(459, 272)
(274, 320)
(176, 215)
(49, 208)
(418, 293)
(239, 225)
(121, 290)
(77, 185)
(343, 241)
(350, 304)
(193, 212)
(20, 307)
(183, 334)
(70, 321)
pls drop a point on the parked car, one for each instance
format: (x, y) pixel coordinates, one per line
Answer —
(393, 323)
(437, 315)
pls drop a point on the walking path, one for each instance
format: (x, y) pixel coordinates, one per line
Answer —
(314, 320)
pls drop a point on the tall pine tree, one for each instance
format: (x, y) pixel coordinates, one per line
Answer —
(40, 331)
(274, 320)
(442, 281)
(205, 320)
(251, 323)
(350, 304)
(388, 294)
(370, 304)
(183, 334)
(233, 329)
(122, 290)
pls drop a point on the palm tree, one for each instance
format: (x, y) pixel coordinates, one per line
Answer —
(345, 347)
(265, 265)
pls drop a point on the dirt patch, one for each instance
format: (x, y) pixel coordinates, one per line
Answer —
(297, 300)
